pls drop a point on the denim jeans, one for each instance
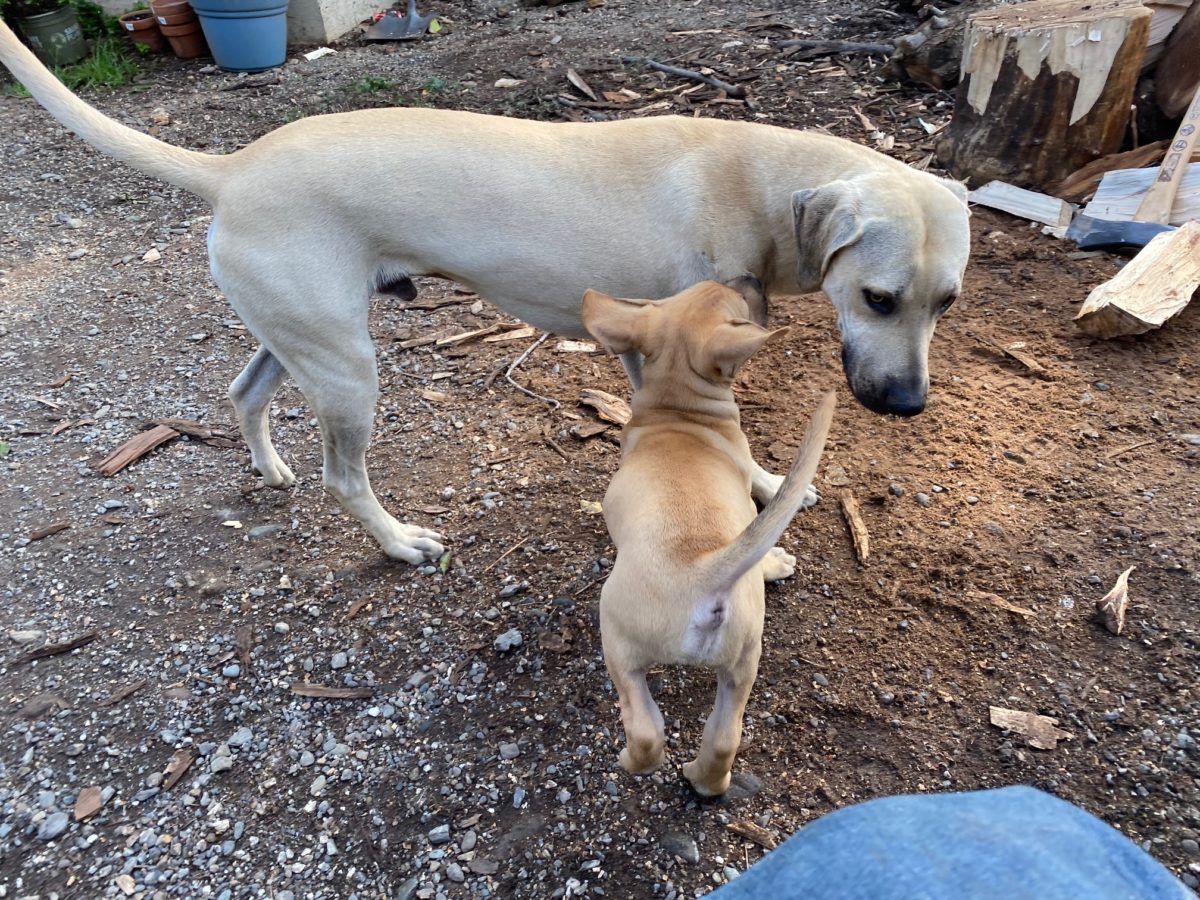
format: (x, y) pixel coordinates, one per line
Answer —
(1007, 844)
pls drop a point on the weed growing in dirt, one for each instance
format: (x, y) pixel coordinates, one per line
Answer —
(110, 65)
(372, 84)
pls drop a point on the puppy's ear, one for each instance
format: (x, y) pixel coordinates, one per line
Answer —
(732, 343)
(620, 325)
(756, 298)
(826, 221)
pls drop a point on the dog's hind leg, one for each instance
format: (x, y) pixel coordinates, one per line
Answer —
(251, 394)
(709, 773)
(764, 484)
(640, 715)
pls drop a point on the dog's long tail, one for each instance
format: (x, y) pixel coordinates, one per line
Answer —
(730, 563)
(199, 173)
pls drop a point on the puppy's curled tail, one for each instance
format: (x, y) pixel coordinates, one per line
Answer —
(730, 563)
(196, 172)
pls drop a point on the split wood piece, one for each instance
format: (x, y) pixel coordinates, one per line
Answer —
(1120, 195)
(1178, 73)
(516, 335)
(215, 437)
(177, 766)
(1040, 732)
(62, 647)
(1047, 87)
(585, 430)
(609, 408)
(839, 46)
(1112, 606)
(997, 600)
(858, 528)
(135, 448)
(46, 530)
(733, 90)
(575, 347)
(67, 423)
(88, 803)
(122, 693)
(580, 85)
(1024, 203)
(356, 607)
(323, 692)
(466, 336)
(1154, 286)
(754, 832)
(1084, 181)
(1016, 350)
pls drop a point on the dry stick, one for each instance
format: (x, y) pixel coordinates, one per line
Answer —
(554, 404)
(733, 90)
(557, 449)
(63, 647)
(495, 562)
(839, 46)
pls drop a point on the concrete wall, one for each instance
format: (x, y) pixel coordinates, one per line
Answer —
(309, 21)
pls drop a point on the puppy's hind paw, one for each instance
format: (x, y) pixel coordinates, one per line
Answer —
(778, 564)
(414, 544)
(811, 497)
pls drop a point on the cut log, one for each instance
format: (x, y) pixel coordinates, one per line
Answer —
(1178, 73)
(1121, 192)
(933, 53)
(1154, 286)
(1046, 88)
(1019, 202)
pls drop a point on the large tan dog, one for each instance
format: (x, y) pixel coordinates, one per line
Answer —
(530, 214)
(687, 584)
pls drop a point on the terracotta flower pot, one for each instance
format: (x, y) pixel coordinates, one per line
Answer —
(187, 40)
(141, 28)
(172, 12)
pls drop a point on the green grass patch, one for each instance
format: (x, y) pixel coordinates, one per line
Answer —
(372, 84)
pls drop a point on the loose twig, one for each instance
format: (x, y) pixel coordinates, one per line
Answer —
(495, 562)
(733, 90)
(839, 46)
(554, 404)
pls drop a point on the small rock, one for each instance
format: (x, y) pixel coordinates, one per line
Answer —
(439, 835)
(307, 759)
(455, 873)
(258, 532)
(510, 751)
(896, 490)
(232, 671)
(836, 476)
(483, 866)
(820, 680)
(1193, 439)
(1190, 847)
(518, 798)
(26, 637)
(241, 738)
(282, 627)
(730, 873)
(923, 500)
(681, 845)
(77, 254)
(220, 764)
(318, 786)
(507, 641)
(54, 825)
(151, 255)
(467, 844)
(339, 661)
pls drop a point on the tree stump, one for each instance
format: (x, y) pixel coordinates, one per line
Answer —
(1046, 88)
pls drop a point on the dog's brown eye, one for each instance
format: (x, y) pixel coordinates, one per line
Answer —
(947, 303)
(884, 304)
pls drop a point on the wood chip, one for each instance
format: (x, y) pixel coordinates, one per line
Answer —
(179, 763)
(62, 647)
(997, 600)
(858, 528)
(242, 641)
(1112, 606)
(46, 530)
(466, 336)
(434, 396)
(755, 833)
(1039, 731)
(63, 426)
(579, 84)
(575, 347)
(135, 448)
(61, 381)
(356, 607)
(88, 803)
(585, 430)
(1016, 350)
(516, 335)
(332, 693)
(122, 693)
(609, 408)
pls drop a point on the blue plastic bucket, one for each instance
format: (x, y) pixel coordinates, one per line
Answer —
(244, 35)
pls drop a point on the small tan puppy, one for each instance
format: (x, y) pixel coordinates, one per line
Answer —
(692, 555)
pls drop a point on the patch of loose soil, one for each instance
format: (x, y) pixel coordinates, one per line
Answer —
(876, 679)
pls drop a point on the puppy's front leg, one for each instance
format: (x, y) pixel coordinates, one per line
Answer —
(763, 486)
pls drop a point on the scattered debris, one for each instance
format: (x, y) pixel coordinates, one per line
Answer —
(46, 530)
(1039, 731)
(318, 53)
(181, 760)
(1112, 606)
(585, 430)
(997, 600)
(1149, 290)
(822, 47)
(1025, 204)
(61, 647)
(516, 363)
(390, 25)
(89, 802)
(579, 84)
(732, 90)
(135, 448)
(858, 528)
(466, 336)
(753, 832)
(591, 507)
(495, 562)
(608, 407)
(1016, 350)
(122, 693)
(517, 335)
(323, 692)
(508, 82)
(40, 704)
(575, 347)
(243, 640)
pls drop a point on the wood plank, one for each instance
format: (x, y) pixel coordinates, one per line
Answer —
(1031, 205)
(1120, 193)
(1154, 286)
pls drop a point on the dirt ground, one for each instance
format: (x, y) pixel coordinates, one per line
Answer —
(209, 596)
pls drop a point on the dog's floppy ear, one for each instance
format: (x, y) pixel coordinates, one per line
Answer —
(826, 221)
(732, 343)
(756, 298)
(620, 325)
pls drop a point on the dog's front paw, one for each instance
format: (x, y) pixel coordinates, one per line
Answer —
(811, 497)
(274, 471)
(413, 544)
(764, 485)
(778, 564)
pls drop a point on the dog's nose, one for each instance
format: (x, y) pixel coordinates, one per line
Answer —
(904, 399)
